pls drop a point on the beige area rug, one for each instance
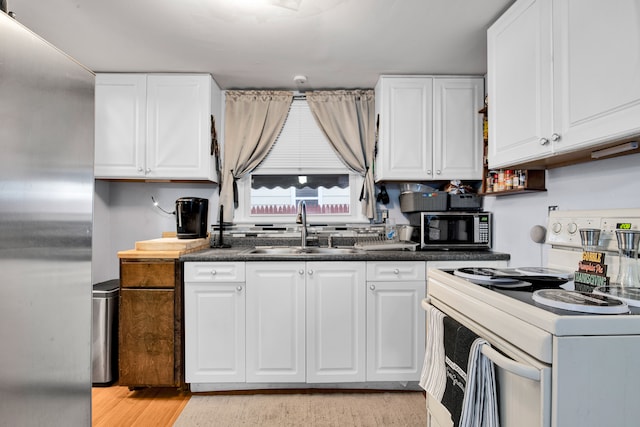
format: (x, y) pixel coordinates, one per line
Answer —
(309, 409)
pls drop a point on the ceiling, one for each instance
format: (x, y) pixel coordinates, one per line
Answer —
(265, 43)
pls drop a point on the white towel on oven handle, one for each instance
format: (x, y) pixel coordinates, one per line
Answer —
(480, 405)
(433, 378)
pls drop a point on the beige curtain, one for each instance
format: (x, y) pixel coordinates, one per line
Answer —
(347, 118)
(253, 121)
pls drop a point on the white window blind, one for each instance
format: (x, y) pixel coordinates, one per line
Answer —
(301, 146)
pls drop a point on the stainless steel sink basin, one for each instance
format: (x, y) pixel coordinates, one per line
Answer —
(276, 250)
(297, 250)
(316, 250)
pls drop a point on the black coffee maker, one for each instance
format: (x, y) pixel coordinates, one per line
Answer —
(191, 217)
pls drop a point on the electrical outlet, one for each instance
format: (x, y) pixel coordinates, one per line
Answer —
(552, 208)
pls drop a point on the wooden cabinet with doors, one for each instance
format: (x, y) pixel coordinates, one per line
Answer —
(150, 323)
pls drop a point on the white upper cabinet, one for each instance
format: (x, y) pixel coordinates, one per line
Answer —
(120, 125)
(596, 71)
(519, 83)
(562, 77)
(457, 148)
(404, 110)
(429, 128)
(152, 126)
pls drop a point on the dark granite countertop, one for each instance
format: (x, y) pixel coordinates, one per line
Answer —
(241, 254)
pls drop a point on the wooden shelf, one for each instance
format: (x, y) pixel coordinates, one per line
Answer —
(534, 182)
(510, 192)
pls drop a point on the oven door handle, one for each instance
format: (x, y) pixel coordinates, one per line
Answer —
(504, 362)
(511, 365)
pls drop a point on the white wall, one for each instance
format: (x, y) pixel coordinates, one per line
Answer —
(124, 214)
(603, 184)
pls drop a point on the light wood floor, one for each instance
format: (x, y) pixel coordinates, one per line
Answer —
(118, 406)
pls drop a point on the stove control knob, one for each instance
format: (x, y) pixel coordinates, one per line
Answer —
(556, 227)
(572, 228)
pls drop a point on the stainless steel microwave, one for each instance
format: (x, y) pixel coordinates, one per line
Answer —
(455, 230)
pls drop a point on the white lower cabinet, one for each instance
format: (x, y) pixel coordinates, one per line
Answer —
(214, 322)
(395, 320)
(275, 322)
(336, 322)
(303, 322)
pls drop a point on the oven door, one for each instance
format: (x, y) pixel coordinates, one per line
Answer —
(524, 383)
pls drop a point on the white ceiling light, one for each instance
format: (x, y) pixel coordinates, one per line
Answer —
(258, 4)
(300, 79)
(287, 4)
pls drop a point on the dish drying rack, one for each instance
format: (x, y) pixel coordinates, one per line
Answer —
(381, 243)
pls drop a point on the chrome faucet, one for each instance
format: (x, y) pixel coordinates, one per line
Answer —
(301, 218)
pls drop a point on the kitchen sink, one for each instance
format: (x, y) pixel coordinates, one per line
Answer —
(298, 250)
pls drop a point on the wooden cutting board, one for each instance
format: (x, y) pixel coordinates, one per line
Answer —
(171, 244)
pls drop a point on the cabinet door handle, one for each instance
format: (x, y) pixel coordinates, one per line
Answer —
(438, 172)
(301, 272)
(213, 272)
(239, 288)
(396, 271)
(372, 287)
(310, 272)
(429, 172)
(148, 170)
(544, 141)
(140, 169)
(555, 137)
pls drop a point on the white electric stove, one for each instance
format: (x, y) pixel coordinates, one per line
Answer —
(555, 367)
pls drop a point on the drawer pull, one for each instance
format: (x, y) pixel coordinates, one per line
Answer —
(372, 287)
(239, 288)
(396, 271)
(213, 272)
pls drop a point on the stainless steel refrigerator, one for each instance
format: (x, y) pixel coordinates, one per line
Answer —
(46, 207)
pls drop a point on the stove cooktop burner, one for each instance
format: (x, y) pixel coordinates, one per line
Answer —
(536, 277)
(631, 296)
(580, 301)
(544, 271)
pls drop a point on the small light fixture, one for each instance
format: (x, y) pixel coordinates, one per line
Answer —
(617, 149)
(287, 4)
(300, 79)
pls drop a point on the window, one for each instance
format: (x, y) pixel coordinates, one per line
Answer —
(301, 165)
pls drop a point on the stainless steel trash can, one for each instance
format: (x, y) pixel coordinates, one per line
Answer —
(104, 345)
